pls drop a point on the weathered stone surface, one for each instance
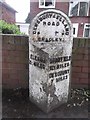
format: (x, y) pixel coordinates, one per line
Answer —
(50, 51)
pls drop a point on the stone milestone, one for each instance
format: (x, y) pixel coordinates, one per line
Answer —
(50, 49)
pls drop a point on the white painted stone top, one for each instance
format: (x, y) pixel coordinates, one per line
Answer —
(50, 30)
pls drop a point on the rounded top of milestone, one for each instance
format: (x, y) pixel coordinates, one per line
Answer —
(51, 26)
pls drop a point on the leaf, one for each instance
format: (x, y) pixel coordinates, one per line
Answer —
(7, 28)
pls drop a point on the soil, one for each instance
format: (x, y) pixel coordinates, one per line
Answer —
(16, 104)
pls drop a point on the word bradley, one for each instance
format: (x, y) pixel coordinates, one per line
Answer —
(49, 39)
(58, 66)
(60, 73)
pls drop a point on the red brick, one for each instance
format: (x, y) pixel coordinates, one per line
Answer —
(89, 81)
(79, 63)
(5, 53)
(22, 47)
(74, 75)
(8, 47)
(21, 60)
(75, 81)
(0, 53)
(80, 50)
(5, 78)
(16, 53)
(1, 43)
(89, 50)
(81, 42)
(86, 52)
(5, 65)
(13, 83)
(77, 57)
(85, 69)
(5, 71)
(23, 83)
(84, 81)
(76, 63)
(14, 76)
(83, 75)
(17, 66)
(88, 69)
(86, 57)
(76, 69)
(80, 75)
(4, 59)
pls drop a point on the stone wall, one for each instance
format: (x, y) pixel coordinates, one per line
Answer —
(15, 68)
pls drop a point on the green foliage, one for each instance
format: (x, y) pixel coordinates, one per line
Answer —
(7, 28)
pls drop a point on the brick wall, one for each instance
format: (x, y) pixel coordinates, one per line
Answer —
(15, 62)
(80, 62)
(0, 66)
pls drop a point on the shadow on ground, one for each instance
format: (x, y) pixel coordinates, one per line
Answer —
(16, 104)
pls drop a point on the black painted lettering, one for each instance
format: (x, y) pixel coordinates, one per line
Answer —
(40, 18)
(60, 39)
(56, 39)
(50, 39)
(39, 39)
(46, 40)
(52, 67)
(67, 29)
(56, 74)
(50, 15)
(67, 33)
(49, 23)
(30, 62)
(34, 32)
(43, 38)
(63, 21)
(35, 28)
(44, 23)
(65, 25)
(38, 33)
(57, 24)
(54, 15)
(36, 24)
(60, 18)
(38, 21)
(53, 23)
(57, 66)
(51, 75)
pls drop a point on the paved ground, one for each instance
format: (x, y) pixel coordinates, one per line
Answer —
(16, 104)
